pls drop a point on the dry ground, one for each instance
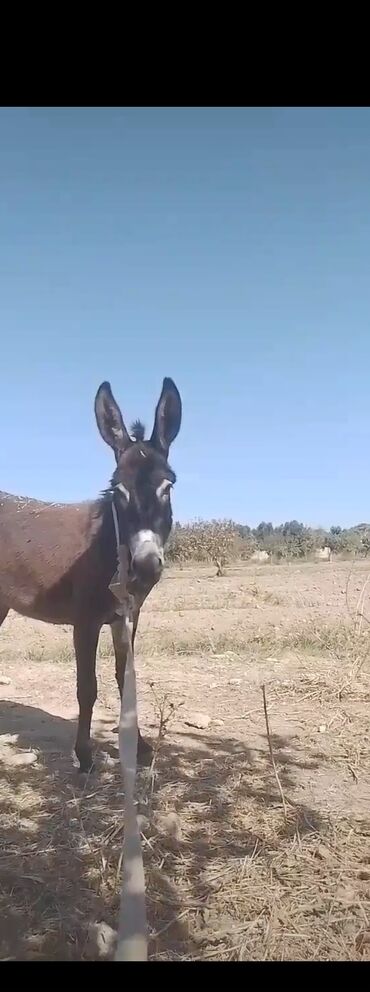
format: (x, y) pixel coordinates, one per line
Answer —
(231, 874)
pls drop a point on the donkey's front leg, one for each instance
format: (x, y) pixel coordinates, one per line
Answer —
(144, 750)
(85, 638)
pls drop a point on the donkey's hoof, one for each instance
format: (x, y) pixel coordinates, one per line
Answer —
(86, 769)
(144, 752)
(86, 762)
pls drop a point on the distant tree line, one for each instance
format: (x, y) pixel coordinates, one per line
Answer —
(224, 540)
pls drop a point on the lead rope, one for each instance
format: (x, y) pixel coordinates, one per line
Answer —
(132, 943)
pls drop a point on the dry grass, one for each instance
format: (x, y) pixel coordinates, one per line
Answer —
(231, 879)
(231, 874)
(339, 642)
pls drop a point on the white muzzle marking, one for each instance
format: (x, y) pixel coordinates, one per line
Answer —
(144, 543)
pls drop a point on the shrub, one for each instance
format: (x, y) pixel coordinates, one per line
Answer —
(222, 541)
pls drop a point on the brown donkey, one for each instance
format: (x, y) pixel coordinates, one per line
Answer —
(57, 560)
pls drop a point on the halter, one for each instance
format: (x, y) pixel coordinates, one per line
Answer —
(132, 942)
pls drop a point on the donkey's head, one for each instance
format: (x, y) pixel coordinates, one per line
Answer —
(143, 479)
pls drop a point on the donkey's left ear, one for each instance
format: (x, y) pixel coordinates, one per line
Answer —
(167, 421)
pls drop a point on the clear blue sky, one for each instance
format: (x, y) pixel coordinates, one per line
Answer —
(227, 248)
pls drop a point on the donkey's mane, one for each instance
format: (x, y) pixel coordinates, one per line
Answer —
(137, 430)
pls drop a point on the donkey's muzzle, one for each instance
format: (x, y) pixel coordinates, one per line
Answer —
(147, 565)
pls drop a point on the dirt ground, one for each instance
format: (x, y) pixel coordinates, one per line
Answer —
(243, 860)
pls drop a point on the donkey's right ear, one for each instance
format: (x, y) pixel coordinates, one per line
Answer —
(109, 420)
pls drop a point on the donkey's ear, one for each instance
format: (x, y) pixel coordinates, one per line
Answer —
(167, 417)
(109, 420)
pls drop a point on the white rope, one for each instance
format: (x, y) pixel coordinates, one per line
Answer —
(132, 929)
(116, 531)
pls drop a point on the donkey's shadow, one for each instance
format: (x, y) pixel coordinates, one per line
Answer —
(24, 727)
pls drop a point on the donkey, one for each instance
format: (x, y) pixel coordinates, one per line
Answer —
(57, 560)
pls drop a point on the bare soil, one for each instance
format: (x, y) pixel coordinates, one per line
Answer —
(232, 871)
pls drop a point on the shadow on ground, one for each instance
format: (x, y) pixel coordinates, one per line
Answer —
(61, 838)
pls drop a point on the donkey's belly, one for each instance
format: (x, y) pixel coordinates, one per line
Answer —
(66, 609)
(22, 589)
(44, 608)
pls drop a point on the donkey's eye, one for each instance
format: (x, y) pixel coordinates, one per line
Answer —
(122, 489)
(164, 489)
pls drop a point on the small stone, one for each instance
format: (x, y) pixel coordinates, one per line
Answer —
(21, 759)
(219, 723)
(346, 895)
(143, 823)
(25, 823)
(101, 940)
(168, 823)
(4, 680)
(235, 681)
(323, 852)
(362, 941)
(322, 728)
(200, 720)
(109, 761)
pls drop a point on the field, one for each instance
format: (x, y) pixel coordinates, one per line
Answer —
(245, 858)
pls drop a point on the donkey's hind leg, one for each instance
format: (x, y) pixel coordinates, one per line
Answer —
(144, 750)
